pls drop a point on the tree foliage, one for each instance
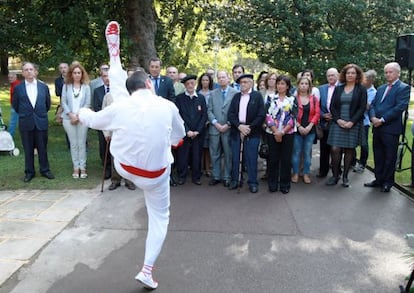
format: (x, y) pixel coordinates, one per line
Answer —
(285, 34)
(51, 31)
(295, 34)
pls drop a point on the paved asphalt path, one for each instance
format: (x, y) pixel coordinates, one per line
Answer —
(315, 239)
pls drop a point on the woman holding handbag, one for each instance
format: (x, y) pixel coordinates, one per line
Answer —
(280, 127)
(306, 121)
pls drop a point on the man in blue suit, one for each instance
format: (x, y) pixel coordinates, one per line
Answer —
(385, 113)
(31, 101)
(326, 91)
(163, 85)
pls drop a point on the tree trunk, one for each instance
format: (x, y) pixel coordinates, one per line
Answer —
(141, 26)
(4, 63)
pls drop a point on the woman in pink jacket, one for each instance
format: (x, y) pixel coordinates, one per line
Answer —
(307, 119)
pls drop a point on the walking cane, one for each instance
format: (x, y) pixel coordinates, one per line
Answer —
(240, 164)
(104, 166)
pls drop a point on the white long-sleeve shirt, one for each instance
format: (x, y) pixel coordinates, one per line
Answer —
(144, 126)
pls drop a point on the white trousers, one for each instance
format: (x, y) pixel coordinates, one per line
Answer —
(77, 135)
(157, 201)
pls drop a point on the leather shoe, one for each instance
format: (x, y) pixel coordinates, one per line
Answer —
(226, 183)
(332, 181)
(130, 186)
(253, 189)
(114, 186)
(197, 182)
(233, 185)
(284, 190)
(181, 181)
(48, 175)
(172, 182)
(273, 188)
(213, 181)
(345, 182)
(373, 183)
(321, 175)
(385, 188)
(28, 178)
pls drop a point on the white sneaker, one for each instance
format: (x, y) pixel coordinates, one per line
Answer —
(146, 280)
(112, 40)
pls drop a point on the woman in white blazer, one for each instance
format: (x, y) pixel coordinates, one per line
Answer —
(76, 94)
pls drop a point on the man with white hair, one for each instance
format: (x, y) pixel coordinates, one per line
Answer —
(385, 113)
(326, 90)
(370, 77)
(246, 115)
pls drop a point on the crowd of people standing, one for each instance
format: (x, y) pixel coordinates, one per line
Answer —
(225, 122)
(155, 124)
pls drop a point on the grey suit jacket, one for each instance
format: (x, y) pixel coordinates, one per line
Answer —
(67, 99)
(217, 109)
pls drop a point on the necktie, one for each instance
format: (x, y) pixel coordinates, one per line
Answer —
(156, 85)
(330, 93)
(223, 95)
(386, 92)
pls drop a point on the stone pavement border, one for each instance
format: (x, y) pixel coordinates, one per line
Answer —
(29, 219)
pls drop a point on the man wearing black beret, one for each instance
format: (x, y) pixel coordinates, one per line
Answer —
(246, 115)
(193, 110)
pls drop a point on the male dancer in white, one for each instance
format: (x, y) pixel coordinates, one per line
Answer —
(144, 127)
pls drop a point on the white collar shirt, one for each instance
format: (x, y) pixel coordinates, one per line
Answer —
(244, 101)
(31, 89)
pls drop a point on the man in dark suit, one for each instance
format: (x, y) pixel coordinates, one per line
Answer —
(246, 115)
(193, 110)
(60, 80)
(163, 85)
(98, 96)
(31, 100)
(237, 71)
(219, 132)
(326, 91)
(385, 113)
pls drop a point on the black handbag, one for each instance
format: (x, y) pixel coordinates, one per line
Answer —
(319, 132)
(264, 150)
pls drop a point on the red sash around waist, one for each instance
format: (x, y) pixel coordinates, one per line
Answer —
(142, 172)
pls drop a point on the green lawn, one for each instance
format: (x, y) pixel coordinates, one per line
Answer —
(403, 175)
(12, 168)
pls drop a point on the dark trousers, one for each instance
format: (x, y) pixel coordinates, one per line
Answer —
(35, 139)
(190, 153)
(250, 154)
(325, 151)
(102, 150)
(280, 162)
(412, 163)
(116, 178)
(364, 148)
(385, 146)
